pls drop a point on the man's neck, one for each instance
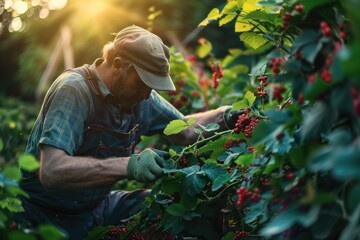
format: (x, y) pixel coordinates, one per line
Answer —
(104, 73)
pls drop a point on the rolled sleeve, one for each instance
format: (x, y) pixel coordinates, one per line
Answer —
(63, 124)
(156, 114)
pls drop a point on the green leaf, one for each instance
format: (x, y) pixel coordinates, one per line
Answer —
(247, 102)
(48, 231)
(317, 121)
(308, 36)
(194, 183)
(204, 49)
(175, 126)
(310, 51)
(28, 162)
(260, 15)
(255, 211)
(230, 7)
(280, 147)
(176, 210)
(217, 147)
(189, 203)
(226, 19)
(191, 121)
(254, 40)
(313, 91)
(245, 160)
(250, 97)
(97, 231)
(263, 132)
(213, 15)
(12, 204)
(172, 152)
(12, 173)
(1, 145)
(240, 105)
(288, 218)
(220, 181)
(212, 170)
(299, 156)
(17, 235)
(228, 236)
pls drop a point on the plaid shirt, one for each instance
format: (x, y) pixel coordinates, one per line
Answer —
(68, 107)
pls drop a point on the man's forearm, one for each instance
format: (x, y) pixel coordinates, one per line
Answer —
(189, 136)
(60, 170)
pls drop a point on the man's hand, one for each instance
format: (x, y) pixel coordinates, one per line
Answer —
(145, 167)
(231, 117)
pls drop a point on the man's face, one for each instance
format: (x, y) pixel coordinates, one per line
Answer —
(129, 89)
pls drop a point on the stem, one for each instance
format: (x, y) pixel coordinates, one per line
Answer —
(284, 104)
(205, 140)
(224, 190)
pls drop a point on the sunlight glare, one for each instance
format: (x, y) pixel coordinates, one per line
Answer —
(56, 4)
(20, 7)
(8, 4)
(43, 13)
(15, 25)
(35, 3)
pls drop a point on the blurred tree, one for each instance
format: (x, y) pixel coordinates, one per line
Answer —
(29, 46)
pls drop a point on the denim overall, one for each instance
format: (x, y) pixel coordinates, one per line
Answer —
(110, 133)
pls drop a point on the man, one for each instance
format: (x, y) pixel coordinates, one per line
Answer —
(90, 121)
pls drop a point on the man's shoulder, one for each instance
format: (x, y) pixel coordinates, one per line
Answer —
(72, 79)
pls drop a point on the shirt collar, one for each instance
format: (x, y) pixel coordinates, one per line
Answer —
(102, 87)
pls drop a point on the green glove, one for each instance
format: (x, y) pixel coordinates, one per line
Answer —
(231, 117)
(145, 167)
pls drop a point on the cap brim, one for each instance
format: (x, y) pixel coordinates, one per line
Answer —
(162, 83)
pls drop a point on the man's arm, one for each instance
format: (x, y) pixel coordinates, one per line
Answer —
(59, 170)
(189, 136)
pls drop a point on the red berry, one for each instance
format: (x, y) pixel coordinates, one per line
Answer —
(323, 24)
(290, 176)
(343, 35)
(280, 136)
(299, 8)
(327, 31)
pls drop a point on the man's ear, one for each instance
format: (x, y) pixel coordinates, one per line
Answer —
(117, 63)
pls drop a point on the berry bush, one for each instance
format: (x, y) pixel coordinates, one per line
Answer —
(290, 167)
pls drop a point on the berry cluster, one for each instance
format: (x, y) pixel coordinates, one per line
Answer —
(178, 100)
(275, 65)
(231, 142)
(356, 102)
(342, 33)
(288, 16)
(139, 236)
(264, 181)
(277, 93)
(246, 124)
(217, 72)
(285, 20)
(326, 73)
(240, 234)
(244, 194)
(183, 161)
(114, 233)
(325, 29)
(261, 88)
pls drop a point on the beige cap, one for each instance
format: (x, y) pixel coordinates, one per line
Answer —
(149, 55)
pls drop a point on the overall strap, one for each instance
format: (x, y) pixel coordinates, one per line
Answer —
(87, 74)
